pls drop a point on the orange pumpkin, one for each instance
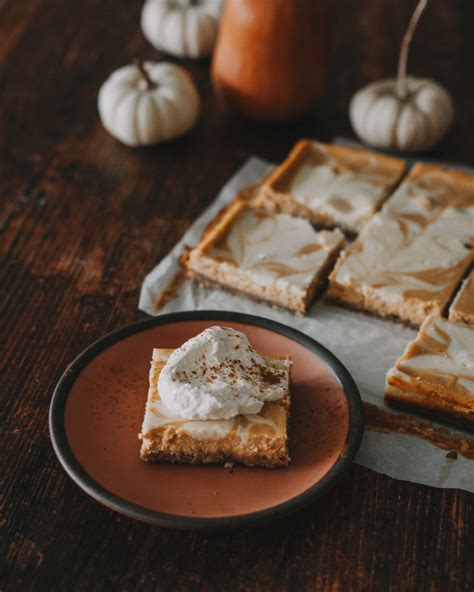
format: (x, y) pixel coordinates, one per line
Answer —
(270, 60)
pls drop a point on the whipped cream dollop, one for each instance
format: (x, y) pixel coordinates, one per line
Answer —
(218, 375)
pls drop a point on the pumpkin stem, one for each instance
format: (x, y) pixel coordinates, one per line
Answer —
(403, 59)
(146, 77)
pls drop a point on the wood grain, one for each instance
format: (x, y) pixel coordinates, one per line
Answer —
(83, 219)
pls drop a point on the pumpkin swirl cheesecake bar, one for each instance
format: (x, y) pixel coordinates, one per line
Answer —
(216, 400)
(435, 374)
(410, 258)
(331, 185)
(273, 258)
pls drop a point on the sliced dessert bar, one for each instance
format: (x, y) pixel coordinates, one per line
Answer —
(462, 308)
(331, 185)
(255, 439)
(410, 258)
(271, 257)
(436, 372)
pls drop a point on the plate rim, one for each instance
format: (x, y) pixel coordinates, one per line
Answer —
(121, 505)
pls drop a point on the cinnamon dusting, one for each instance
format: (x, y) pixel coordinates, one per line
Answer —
(170, 291)
(385, 421)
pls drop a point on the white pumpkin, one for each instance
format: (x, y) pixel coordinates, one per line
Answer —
(148, 102)
(184, 28)
(408, 114)
(416, 122)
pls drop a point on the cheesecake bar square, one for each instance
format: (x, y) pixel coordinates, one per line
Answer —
(270, 257)
(410, 258)
(435, 374)
(462, 307)
(331, 185)
(255, 439)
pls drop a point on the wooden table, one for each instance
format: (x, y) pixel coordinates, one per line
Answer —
(83, 219)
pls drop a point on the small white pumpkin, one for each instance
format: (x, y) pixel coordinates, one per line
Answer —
(407, 114)
(183, 28)
(416, 122)
(148, 102)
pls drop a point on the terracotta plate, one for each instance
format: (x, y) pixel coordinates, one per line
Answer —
(98, 406)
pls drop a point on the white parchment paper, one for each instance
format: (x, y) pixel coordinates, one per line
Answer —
(367, 346)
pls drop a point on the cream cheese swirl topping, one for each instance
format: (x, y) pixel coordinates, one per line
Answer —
(218, 375)
(277, 248)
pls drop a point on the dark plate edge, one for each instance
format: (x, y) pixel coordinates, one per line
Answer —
(101, 494)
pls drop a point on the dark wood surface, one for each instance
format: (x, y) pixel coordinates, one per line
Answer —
(83, 219)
